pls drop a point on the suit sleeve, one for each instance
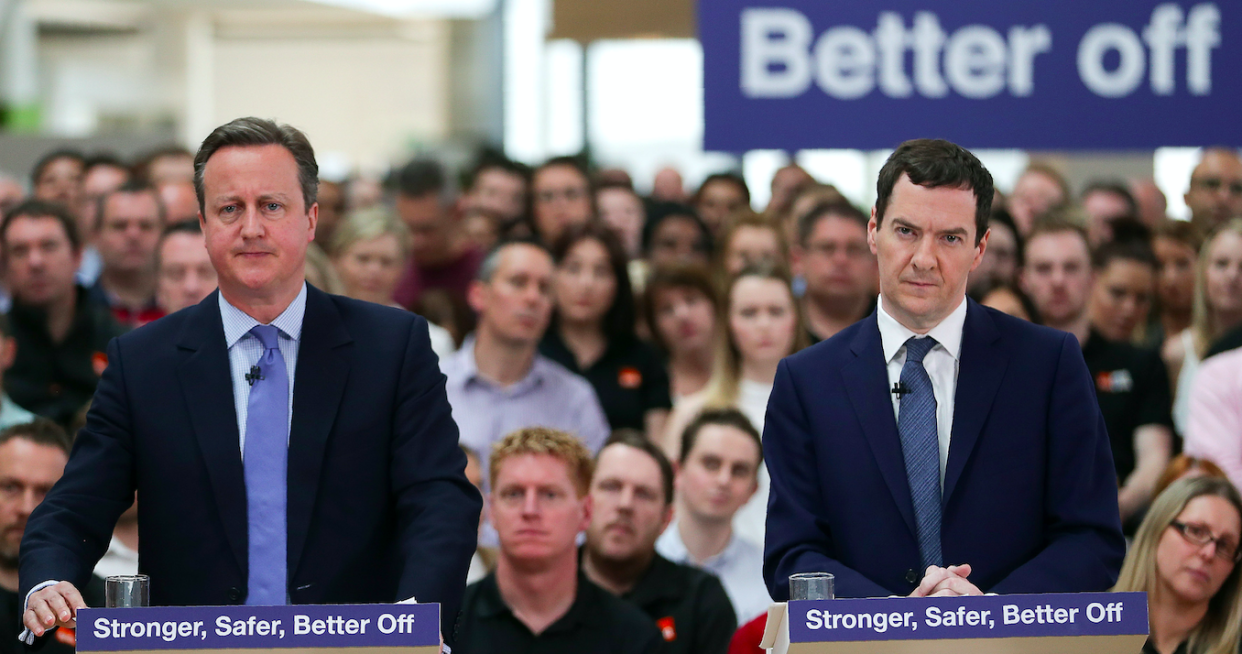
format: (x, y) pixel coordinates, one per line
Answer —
(798, 538)
(1083, 547)
(437, 507)
(69, 531)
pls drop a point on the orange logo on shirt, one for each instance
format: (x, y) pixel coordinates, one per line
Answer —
(99, 361)
(630, 378)
(667, 629)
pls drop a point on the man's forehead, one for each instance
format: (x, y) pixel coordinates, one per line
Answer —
(1218, 162)
(1058, 246)
(722, 440)
(620, 461)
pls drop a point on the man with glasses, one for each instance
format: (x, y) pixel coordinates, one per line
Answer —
(562, 198)
(833, 257)
(1215, 193)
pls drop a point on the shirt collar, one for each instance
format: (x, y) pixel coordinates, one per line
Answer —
(948, 334)
(238, 323)
(469, 366)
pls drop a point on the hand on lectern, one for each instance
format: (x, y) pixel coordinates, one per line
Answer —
(54, 606)
(946, 582)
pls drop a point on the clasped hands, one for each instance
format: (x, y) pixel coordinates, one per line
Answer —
(946, 582)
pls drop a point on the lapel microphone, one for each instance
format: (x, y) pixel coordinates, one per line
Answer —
(899, 389)
(256, 374)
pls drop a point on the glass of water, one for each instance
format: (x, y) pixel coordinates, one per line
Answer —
(812, 586)
(127, 591)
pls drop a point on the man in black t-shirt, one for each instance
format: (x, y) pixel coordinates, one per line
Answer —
(632, 495)
(536, 600)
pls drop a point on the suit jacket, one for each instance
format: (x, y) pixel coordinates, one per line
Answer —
(1030, 494)
(379, 508)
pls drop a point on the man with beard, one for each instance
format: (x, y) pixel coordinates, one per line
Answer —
(632, 492)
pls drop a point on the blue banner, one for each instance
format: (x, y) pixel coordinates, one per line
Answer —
(258, 627)
(990, 616)
(1047, 74)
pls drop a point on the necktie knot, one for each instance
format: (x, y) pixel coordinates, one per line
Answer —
(268, 335)
(917, 348)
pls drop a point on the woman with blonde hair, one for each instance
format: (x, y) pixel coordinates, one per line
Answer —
(763, 324)
(1185, 557)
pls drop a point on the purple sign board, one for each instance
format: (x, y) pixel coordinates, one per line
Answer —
(989, 616)
(258, 627)
(1036, 74)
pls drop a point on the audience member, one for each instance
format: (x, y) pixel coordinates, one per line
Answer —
(1215, 193)
(667, 186)
(369, 250)
(720, 196)
(787, 183)
(501, 187)
(632, 503)
(481, 227)
(1008, 298)
(1039, 190)
(681, 304)
(592, 332)
(808, 198)
(57, 177)
(331, 201)
(674, 234)
(1122, 287)
(1003, 258)
(130, 221)
(11, 192)
(763, 325)
(1176, 244)
(1214, 422)
(10, 413)
(184, 275)
(1152, 205)
(750, 239)
(32, 458)
(102, 174)
(561, 198)
(168, 164)
(718, 473)
(1103, 202)
(61, 335)
(1131, 384)
(498, 382)
(840, 272)
(180, 202)
(623, 212)
(537, 599)
(1184, 466)
(1185, 557)
(441, 257)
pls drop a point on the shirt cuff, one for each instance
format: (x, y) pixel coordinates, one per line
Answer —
(27, 636)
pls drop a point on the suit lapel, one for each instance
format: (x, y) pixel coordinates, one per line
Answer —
(322, 369)
(207, 386)
(866, 383)
(982, 366)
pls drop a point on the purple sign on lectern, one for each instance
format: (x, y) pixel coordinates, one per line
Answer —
(990, 616)
(258, 627)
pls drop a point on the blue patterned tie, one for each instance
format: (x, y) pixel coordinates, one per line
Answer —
(920, 446)
(266, 462)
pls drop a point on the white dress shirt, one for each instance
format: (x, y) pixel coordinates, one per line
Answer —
(739, 566)
(941, 364)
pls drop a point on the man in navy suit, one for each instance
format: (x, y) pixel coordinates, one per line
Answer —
(938, 447)
(288, 446)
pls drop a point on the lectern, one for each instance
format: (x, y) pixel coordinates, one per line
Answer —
(1075, 623)
(314, 629)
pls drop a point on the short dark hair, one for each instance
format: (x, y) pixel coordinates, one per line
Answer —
(727, 178)
(40, 431)
(132, 187)
(577, 163)
(1117, 188)
(679, 275)
(1057, 221)
(659, 212)
(251, 131)
(487, 267)
(808, 221)
(635, 439)
(495, 160)
(42, 209)
(46, 160)
(419, 178)
(619, 321)
(106, 159)
(728, 417)
(936, 163)
(1001, 216)
(190, 226)
(1127, 250)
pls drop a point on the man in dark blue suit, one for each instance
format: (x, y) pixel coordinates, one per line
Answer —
(939, 447)
(288, 446)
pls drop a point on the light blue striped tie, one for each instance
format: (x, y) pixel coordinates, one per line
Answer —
(920, 446)
(266, 465)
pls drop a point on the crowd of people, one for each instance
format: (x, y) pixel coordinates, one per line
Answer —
(609, 358)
